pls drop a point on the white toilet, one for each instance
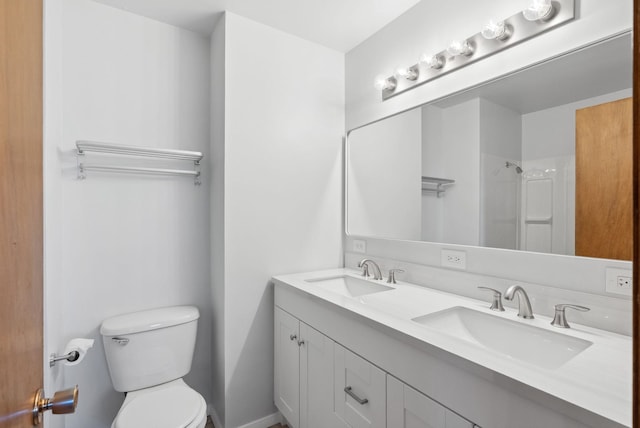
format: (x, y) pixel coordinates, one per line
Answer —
(148, 353)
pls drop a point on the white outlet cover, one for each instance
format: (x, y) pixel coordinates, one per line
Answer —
(359, 246)
(612, 275)
(454, 259)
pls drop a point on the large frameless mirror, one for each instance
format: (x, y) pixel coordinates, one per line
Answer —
(538, 161)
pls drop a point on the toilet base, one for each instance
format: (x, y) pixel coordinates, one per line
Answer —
(145, 397)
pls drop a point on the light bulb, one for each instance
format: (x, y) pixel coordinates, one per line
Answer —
(432, 61)
(460, 47)
(496, 30)
(538, 10)
(383, 83)
(409, 73)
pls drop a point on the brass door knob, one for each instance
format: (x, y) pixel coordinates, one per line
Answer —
(62, 402)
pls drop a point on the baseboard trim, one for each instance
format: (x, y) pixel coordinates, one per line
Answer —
(265, 422)
(214, 416)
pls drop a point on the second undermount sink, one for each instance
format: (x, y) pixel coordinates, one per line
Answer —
(349, 286)
(513, 339)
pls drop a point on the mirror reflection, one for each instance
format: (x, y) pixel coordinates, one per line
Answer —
(537, 161)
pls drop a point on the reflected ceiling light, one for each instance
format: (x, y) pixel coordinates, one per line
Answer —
(538, 10)
(496, 31)
(432, 61)
(383, 83)
(460, 47)
(409, 73)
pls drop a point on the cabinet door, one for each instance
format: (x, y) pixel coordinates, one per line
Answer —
(407, 408)
(287, 366)
(316, 381)
(366, 406)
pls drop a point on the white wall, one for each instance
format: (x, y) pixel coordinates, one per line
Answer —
(451, 150)
(118, 243)
(217, 177)
(432, 208)
(53, 234)
(461, 162)
(383, 178)
(283, 128)
(500, 141)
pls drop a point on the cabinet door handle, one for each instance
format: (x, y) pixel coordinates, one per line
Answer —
(351, 394)
(293, 337)
(300, 342)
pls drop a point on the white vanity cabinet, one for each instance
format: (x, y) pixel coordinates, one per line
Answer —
(408, 408)
(407, 381)
(360, 390)
(319, 383)
(304, 373)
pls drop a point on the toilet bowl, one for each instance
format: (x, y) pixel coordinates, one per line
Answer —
(148, 353)
(171, 405)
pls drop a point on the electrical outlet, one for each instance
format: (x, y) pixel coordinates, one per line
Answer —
(359, 246)
(619, 281)
(454, 259)
(624, 282)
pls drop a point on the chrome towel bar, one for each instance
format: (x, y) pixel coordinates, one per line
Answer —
(84, 146)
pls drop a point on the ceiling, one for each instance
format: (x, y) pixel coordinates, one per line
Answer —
(336, 24)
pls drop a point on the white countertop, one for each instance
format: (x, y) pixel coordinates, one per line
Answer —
(598, 379)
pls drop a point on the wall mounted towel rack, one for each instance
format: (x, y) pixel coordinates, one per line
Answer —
(435, 185)
(124, 150)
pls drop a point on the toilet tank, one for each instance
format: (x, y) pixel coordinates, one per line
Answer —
(150, 347)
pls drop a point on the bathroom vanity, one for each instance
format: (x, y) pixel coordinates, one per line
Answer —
(356, 352)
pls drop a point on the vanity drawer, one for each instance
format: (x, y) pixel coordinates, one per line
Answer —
(408, 408)
(360, 390)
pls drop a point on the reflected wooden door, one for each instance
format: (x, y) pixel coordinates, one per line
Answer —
(21, 351)
(604, 162)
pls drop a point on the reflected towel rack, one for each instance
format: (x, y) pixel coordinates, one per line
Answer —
(436, 185)
(124, 150)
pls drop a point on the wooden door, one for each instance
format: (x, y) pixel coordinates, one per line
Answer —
(21, 351)
(287, 366)
(604, 173)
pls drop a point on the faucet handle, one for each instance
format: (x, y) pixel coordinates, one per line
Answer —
(560, 318)
(496, 305)
(365, 270)
(365, 267)
(392, 275)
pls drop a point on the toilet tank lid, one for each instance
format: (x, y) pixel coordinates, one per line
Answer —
(153, 319)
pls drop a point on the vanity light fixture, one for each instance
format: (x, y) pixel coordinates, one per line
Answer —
(496, 31)
(460, 47)
(432, 61)
(540, 16)
(409, 73)
(383, 83)
(539, 10)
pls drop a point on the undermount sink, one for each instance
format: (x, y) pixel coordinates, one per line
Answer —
(513, 339)
(349, 286)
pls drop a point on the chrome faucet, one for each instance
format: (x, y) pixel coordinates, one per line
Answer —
(524, 305)
(365, 263)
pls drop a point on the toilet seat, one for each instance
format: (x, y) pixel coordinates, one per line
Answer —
(172, 405)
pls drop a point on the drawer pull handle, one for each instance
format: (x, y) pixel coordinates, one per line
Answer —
(354, 396)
